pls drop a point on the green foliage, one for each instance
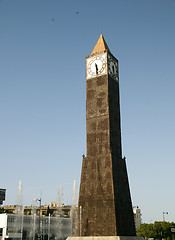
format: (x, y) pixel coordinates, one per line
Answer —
(156, 230)
(2, 210)
(48, 211)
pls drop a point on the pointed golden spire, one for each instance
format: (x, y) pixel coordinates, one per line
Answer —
(100, 46)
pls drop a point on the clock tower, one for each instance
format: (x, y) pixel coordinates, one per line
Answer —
(104, 207)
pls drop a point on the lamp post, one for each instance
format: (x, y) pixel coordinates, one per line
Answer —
(39, 200)
(164, 216)
(49, 228)
(80, 219)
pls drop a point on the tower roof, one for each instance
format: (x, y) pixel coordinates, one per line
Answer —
(100, 46)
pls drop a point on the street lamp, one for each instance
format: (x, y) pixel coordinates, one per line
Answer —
(39, 200)
(164, 215)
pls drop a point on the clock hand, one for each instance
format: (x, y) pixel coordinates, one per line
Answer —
(96, 66)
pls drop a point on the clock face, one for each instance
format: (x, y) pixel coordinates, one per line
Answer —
(96, 66)
(113, 67)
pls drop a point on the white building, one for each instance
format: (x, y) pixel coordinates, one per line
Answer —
(13, 226)
(137, 217)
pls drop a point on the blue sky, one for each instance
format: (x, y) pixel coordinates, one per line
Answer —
(43, 45)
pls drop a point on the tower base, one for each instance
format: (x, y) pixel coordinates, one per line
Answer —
(106, 238)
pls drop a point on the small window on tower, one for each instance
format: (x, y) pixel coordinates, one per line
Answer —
(113, 70)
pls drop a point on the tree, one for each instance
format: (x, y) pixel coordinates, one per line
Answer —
(2, 210)
(146, 230)
(158, 230)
